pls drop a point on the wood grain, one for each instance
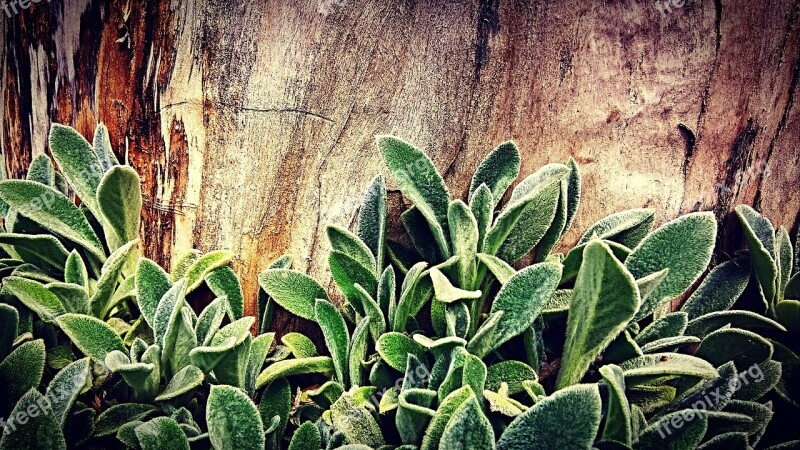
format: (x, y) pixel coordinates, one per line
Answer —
(253, 122)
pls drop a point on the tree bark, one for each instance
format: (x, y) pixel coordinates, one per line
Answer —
(252, 123)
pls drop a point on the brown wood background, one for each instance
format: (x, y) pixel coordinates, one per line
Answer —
(252, 122)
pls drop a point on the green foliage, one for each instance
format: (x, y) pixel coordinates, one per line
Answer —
(233, 420)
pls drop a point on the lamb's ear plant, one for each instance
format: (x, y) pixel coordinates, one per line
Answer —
(470, 331)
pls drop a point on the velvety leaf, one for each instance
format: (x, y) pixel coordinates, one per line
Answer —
(206, 264)
(233, 420)
(65, 387)
(444, 414)
(100, 303)
(20, 372)
(501, 402)
(347, 273)
(102, 147)
(393, 348)
(788, 313)
(421, 235)
(481, 205)
(556, 229)
(41, 170)
(671, 325)
(210, 320)
(45, 251)
(259, 349)
(9, 326)
(109, 421)
(604, 300)
(665, 432)
(182, 264)
(464, 236)
(35, 427)
(468, 429)
(760, 415)
(35, 297)
(497, 171)
(572, 262)
(784, 258)
(152, 282)
(543, 426)
(513, 373)
(317, 364)
(522, 298)
(387, 297)
(351, 416)
(618, 417)
(705, 324)
(358, 352)
(306, 437)
(626, 227)
(92, 336)
(726, 441)
(407, 294)
(501, 270)
(744, 348)
(649, 283)
(711, 394)
(276, 401)
(233, 365)
(75, 270)
(224, 282)
(667, 364)
(161, 433)
(445, 291)
(419, 180)
(294, 291)
(337, 337)
(183, 382)
(458, 319)
(573, 192)
(481, 343)
(377, 323)
(119, 199)
(414, 413)
(720, 288)
(669, 344)
(346, 242)
(73, 297)
(760, 237)
(757, 380)
(528, 215)
(79, 164)
(683, 246)
(372, 220)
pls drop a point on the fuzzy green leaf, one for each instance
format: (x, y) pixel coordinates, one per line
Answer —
(233, 420)
(337, 337)
(683, 246)
(100, 303)
(306, 437)
(544, 426)
(394, 348)
(482, 207)
(183, 382)
(444, 414)
(35, 427)
(346, 242)
(413, 413)
(75, 270)
(464, 236)
(276, 401)
(102, 147)
(446, 292)
(119, 199)
(161, 433)
(720, 288)
(79, 164)
(21, 371)
(152, 282)
(209, 320)
(667, 364)
(45, 251)
(419, 180)
(497, 171)
(618, 416)
(293, 290)
(206, 264)
(760, 237)
(513, 373)
(9, 327)
(35, 297)
(65, 387)
(468, 429)
(665, 432)
(705, 324)
(92, 336)
(671, 325)
(744, 348)
(372, 220)
(348, 272)
(109, 421)
(358, 352)
(52, 210)
(224, 282)
(299, 345)
(41, 170)
(280, 369)
(627, 227)
(604, 300)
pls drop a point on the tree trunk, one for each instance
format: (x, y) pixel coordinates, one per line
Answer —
(252, 123)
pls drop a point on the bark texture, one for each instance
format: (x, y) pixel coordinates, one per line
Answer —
(252, 123)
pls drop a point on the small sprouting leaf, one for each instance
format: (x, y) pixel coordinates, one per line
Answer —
(65, 387)
(52, 210)
(79, 164)
(41, 170)
(468, 428)
(152, 282)
(604, 300)
(358, 352)
(567, 419)
(743, 347)
(464, 236)
(522, 298)
(497, 171)
(224, 282)
(720, 288)
(196, 273)
(372, 220)
(39, 430)
(627, 227)
(394, 348)
(21, 371)
(35, 297)
(119, 199)
(233, 420)
(760, 237)
(161, 433)
(683, 246)
(293, 290)
(92, 336)
(102, 147)
(419, 180)
(280, 369)
(337, 337)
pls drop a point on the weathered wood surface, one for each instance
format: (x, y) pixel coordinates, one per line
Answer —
(252, 122)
